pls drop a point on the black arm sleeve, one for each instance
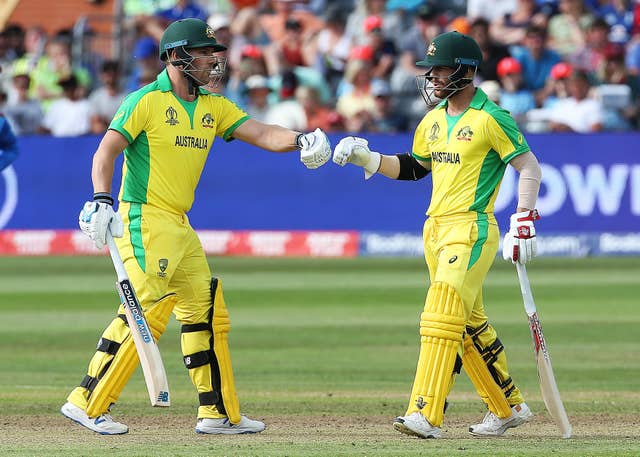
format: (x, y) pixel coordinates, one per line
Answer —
(410, 168)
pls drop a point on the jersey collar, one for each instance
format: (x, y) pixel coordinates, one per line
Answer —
(477, 102)
(164, 83)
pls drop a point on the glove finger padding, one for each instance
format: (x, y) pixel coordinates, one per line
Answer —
(315, 149)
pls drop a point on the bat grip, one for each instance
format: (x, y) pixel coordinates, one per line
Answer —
(525, 288)
(115, 257)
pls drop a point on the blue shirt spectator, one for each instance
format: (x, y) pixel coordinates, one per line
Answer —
(184, 9)
(8, 144)
(536, 59)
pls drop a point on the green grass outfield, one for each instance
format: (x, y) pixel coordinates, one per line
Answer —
(324, 352)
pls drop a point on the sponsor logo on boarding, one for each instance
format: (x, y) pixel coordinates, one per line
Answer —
(207, 121)
(136, 311)
(464, 134)
(172, 116)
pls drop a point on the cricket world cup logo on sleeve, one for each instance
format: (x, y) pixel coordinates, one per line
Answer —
(10, 202)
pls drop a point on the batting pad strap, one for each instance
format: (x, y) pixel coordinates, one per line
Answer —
(201, 327)
(198, 359)
(108, 346)
(484, 379)
(208, 398)
(89, 383)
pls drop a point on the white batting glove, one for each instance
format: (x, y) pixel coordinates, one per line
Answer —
(352, 149)
(315, 149)
(519, 244)
(95, 218)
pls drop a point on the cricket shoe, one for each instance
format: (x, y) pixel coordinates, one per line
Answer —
(224, 427)
(103, 424)
(417, 425)
(492, 425)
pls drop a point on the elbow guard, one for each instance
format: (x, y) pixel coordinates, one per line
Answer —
(410, 168)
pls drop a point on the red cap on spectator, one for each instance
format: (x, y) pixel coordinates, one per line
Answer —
(372, 23)
(252, 51)
(508, 66)
(561, 70)
(361, 53)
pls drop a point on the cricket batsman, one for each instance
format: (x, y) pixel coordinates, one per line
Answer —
(166, 130)
(466, 142)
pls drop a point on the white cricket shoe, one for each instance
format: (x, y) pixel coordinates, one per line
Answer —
(103, 424)
(492, 425)
(224, 427)
(417, 425)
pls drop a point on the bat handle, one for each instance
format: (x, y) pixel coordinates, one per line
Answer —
(115, 257)
(525, 288)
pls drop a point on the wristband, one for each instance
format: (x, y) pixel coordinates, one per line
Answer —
(298, 141)
(103, 197)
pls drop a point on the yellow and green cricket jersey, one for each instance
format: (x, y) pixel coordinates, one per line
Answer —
(468, 154)
(169, 141)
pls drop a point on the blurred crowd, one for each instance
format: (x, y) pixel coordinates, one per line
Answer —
(347, 65)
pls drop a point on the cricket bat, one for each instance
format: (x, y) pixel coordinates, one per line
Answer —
(148, 352)
(548, 386)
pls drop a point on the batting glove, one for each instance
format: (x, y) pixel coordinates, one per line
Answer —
(519, 244)
(356, 150)
(315, 149)
(97, 216)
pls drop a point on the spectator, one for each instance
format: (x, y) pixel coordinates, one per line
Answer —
(632, 56)
(357, 106)
(54, 66)
(489, 10)
(492, 89)
(146, 66)
(71, 114)
(511, 28)
(35, 39)
(386, 117)
(252, 62)
(392, 26)
(567, 29)
(257, 97)
(591, 57)
(332, 47)
(288, 112)
(618, 92)
(24, 113)
(221, 25)
(536, 60)
(577, 113)
(619, 15)
(384, 51)
(16, 37)
(514, 97)
(106, 99)
(317, 114)
(492, 52)
(558, 85)
(290, 51)
(412, 49)
(183, 9)
(272, 21)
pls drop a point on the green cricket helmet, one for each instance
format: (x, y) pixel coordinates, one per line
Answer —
(452, 50)
(186, 34)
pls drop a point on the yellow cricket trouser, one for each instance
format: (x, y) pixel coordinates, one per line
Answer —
(162, 255)
(459, 250)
